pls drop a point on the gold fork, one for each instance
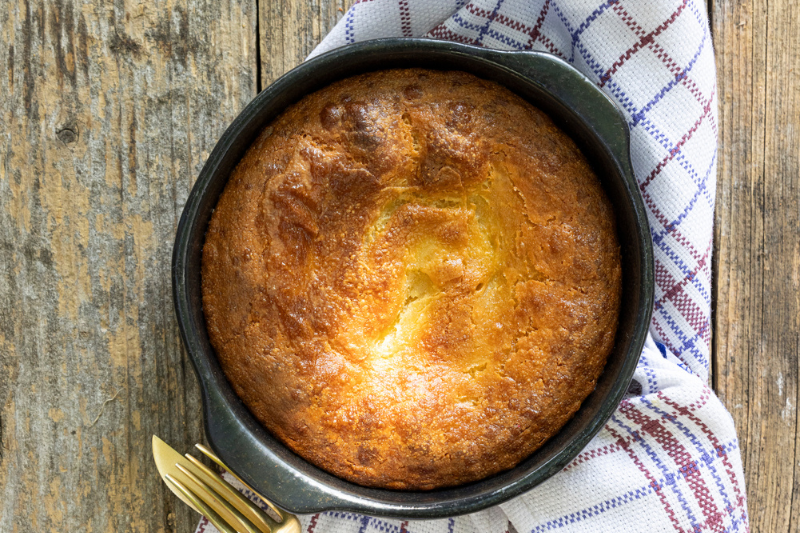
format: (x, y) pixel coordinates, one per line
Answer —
(206, 492)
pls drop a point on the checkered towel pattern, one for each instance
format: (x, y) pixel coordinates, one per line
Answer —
(668, 460)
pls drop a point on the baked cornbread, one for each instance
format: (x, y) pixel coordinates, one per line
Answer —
(412, 278)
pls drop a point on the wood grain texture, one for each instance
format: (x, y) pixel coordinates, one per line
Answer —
(757, 324)
(289, 30)
(109, 109)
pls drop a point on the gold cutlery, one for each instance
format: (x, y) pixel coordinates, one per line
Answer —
(206, 492)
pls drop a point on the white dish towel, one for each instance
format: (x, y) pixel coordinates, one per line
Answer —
(668, 460)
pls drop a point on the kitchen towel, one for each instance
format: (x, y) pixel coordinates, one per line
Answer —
(668, 459)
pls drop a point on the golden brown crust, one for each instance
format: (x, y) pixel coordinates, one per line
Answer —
(412, 278)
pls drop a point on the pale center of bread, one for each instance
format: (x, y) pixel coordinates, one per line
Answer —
(441, 261)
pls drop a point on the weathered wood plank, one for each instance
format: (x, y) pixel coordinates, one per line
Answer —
(757, 325)
(290, 29)
(109, 109)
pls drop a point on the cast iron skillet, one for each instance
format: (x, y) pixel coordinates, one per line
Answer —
(579, 108)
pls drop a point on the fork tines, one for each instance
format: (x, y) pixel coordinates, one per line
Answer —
(209, 494)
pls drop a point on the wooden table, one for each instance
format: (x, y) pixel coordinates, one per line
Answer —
(110, 108)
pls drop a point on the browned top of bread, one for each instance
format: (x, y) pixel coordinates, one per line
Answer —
(412, 278)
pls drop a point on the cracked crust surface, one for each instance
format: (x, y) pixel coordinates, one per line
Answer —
(412, 278)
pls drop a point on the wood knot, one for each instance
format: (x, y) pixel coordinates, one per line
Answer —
(67, 134)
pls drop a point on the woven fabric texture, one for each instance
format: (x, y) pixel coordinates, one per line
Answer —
(668, 460)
